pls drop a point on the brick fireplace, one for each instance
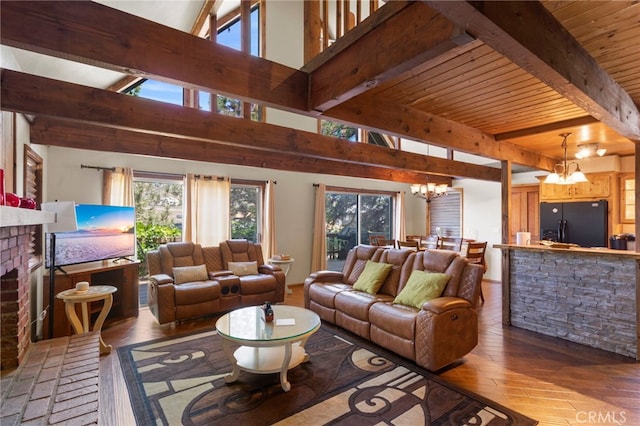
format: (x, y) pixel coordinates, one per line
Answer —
(16, 226)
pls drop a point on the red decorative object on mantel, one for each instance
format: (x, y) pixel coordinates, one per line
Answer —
(11, 199)
(27, 203)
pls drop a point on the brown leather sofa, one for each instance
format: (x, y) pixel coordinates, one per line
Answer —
(441, 332)
(219, 289)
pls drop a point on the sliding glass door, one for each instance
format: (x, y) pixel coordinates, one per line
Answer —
(352, 217)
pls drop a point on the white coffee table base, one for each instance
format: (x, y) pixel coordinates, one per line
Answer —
(256, 346)
(265, 360)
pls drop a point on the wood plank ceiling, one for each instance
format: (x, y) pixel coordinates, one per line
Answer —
(495, 79)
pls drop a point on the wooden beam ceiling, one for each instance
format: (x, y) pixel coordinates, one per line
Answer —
(69, 134)
(414, 124)
(374, 55)
(45, 97)
(528, 35)
(132, 45)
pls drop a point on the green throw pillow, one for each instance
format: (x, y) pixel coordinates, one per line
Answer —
(372, 277)
(420, 287)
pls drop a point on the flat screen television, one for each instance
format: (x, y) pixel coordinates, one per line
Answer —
(104, 232)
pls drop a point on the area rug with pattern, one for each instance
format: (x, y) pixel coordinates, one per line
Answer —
(347, 381)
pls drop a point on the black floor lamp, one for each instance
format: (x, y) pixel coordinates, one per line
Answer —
(65, 222)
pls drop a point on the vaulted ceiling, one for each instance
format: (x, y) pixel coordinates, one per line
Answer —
(499, 80)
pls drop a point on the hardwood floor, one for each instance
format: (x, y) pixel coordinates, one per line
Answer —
(551, 380)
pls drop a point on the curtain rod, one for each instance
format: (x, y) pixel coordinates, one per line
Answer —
(205, 177)
(82, 166)
(161, 174)
(357, 190)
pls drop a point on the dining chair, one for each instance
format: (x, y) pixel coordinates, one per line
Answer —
(451, 243)
(475, 254)
(375, 240)
(387, 243)
(430, 242)
(410, 244)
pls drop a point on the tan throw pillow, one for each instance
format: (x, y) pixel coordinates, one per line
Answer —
(421, 287)
(243, 268)
(372, 277)
(189, 274)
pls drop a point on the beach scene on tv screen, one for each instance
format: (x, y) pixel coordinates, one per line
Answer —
(104, 232)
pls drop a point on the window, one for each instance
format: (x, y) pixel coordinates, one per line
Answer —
(246, 210)
(157, 91)
(338, 130)
(445, 215)
(628, 199)
(230, 35)
(158, 202)
(352, 217)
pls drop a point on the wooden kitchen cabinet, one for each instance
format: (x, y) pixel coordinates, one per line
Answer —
(123, 276)
(525, 211)
(598, 187)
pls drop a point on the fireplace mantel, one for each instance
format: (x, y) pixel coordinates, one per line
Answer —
(15, 216)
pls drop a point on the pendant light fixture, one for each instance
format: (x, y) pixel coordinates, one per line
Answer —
(566, 173)
(429, 191)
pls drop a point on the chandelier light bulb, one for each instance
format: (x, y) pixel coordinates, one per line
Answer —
(429, 190)
(562, 173)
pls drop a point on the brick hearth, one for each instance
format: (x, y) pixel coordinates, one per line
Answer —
(57, 384)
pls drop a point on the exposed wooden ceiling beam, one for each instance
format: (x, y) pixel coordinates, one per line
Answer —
(128, 44)
(41, 96)
(376, 51)
(208, 7)
(527, 34)
(132, 45)
(414, 124)
(63, 133)
(558, 125)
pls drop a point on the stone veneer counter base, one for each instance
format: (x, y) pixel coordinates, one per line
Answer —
(587, 296)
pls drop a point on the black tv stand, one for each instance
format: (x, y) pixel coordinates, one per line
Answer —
(123, 258)
(59, 268)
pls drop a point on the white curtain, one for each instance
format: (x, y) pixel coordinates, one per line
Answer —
(206, 209)
(401, 230)
(117, 187)
(319, 247)
(269, 223)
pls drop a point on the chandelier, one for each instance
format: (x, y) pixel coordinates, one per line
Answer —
(429, 191)
(566, 173)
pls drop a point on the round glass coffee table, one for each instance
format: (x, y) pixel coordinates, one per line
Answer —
(266, 347)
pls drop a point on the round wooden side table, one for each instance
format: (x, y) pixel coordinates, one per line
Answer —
(93, 294)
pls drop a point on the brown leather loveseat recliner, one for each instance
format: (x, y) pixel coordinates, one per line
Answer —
(188, 281)
(438, 333)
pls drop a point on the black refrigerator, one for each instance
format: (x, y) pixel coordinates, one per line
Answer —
(583, 223)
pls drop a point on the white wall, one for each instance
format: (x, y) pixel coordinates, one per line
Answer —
(482, 219)
(67, 181)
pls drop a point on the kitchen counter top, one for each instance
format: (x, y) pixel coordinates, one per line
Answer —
(575, 250)
(585, 295)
